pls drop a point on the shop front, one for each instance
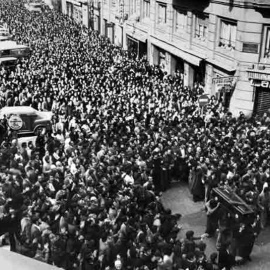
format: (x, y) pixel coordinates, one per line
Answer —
(110, 31)
(160, 57)
(178, 65)
(78, 11)
(132, 46)
(118, 35)
(137, 44)
(223, 88)
(176, 60)
(69, 7)
(181, 66)
(77, 14)
(260, 80)
(135, 40)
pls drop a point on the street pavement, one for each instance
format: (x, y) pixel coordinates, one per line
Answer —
(179, 200)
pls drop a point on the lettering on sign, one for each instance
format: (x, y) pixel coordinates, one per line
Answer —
(224, 80)
(204, 100)
(263, 84)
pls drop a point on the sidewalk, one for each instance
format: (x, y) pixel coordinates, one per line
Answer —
(179, 200)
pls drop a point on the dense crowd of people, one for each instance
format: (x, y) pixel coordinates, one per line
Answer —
(87, 194)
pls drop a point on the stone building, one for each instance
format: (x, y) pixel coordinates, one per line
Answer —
(223, 44)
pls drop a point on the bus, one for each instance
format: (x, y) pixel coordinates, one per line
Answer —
(12, 49)
(35, 7)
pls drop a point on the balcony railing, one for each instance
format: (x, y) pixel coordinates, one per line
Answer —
(226, 44)
(258, 74)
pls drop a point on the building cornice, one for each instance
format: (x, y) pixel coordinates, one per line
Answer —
(261, 4)
(235, 3)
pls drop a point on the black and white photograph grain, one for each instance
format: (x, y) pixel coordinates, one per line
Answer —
(135, 134)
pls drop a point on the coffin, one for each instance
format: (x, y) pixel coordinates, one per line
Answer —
(230, 200)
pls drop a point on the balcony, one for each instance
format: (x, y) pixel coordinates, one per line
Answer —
(200, 5)
(258, 73)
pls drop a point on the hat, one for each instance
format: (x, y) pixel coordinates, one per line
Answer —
(189, 234)
(93, 198)
(265, 185)
(56, 207)
(118, 264)
(158, 254)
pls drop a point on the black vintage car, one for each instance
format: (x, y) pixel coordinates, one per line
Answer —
(26, 120)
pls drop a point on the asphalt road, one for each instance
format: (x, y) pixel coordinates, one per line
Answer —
(179, 200)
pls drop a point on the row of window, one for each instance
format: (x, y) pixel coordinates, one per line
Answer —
(201, 21)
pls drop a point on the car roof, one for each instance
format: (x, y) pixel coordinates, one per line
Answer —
(17, 109)
(4, 38)
(8, 59)
(9, 45)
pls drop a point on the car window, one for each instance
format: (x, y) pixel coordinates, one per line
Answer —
(28, 122)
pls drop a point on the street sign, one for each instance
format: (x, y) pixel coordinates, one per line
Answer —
(15, 122)
(203, 100)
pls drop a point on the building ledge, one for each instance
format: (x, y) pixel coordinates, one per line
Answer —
(261, 3)
(259, 74)
(12, 260)
(223, 65)
(175, 50)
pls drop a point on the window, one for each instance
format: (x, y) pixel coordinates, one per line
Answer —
(162, 18)
(146, 8)
(180, 20)
(5, 52)
(133, 6)
(266, 50)
(201, 26)
(227, 35)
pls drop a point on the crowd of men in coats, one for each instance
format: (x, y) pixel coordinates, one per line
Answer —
(87, 195)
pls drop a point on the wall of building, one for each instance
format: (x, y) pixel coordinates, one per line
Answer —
(219, 61)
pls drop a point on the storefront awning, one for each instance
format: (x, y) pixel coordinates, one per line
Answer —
(192, 59)
(141, 36)
(74, 2)
(221, 65)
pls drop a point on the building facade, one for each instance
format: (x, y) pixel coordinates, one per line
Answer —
(77, 10)
(223, 44)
